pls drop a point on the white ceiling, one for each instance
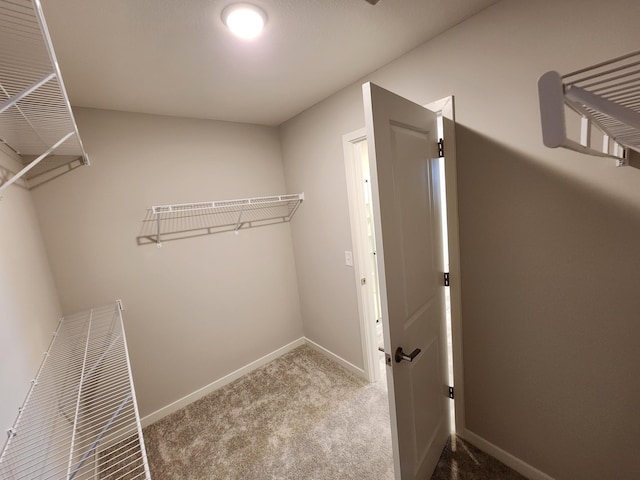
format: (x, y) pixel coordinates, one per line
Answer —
(175, 57)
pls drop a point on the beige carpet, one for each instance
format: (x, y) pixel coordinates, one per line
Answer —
(462, 461)
(299, 417)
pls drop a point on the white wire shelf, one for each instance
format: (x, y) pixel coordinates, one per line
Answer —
(80, 419)
(606, 98)
(177, 221)
(35, 115)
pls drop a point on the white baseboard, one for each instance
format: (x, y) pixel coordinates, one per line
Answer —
(201, 392)
(518, 465)
(341, 361)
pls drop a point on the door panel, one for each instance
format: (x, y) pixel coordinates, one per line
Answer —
(406, 197)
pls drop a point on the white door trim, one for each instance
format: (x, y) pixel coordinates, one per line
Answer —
(361, 267)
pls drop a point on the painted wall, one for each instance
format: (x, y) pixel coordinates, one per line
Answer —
(29, 306)
(549, 263)
(197, 308)
(314, 163)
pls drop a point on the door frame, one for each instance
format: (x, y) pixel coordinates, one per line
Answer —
(445, 107)
(361, 268)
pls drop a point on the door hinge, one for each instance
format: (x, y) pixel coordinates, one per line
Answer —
(441, 148)
(451, 393)
(446, 279)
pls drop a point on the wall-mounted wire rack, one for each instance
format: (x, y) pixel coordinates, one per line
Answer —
(606, 98)
(36, 120)
(172, 222)
(80, 419)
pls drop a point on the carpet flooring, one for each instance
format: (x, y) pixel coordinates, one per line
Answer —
(462, 461)
(301, 416)
(298, 417)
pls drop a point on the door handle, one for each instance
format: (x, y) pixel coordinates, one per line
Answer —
(400, 355)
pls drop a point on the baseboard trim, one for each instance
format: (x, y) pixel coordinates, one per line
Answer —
(336, 358)
(207, 389)
(518, 465)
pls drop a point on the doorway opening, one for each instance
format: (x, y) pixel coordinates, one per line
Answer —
(369, 243)
(365, 264)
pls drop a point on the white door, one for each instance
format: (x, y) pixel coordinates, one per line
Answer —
(403, 155)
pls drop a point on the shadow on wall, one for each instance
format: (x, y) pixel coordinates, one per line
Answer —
(47, 170)
(550, 277)
(52, 168)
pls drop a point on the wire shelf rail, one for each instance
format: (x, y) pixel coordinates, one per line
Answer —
(35, 114)
(80, 419)
(172, 222)
(606, 96)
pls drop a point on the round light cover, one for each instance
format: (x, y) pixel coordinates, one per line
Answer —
(244, 19)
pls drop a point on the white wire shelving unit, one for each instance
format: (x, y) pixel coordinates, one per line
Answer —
(80, 419)
(177, 221)
(606, 101)
(36, 120)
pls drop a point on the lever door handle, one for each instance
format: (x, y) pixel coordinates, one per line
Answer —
(400, 355)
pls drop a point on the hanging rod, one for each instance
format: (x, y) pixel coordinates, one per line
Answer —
(183, 219)
(605, 96)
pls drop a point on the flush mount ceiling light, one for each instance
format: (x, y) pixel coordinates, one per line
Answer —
(244, 19)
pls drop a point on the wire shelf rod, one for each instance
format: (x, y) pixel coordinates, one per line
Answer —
(604, 75)
(602, 64)
(16, 98)
(33, 383)
(79, 397)
(183, 207)
(605, 83)
(143, 450)
(611, 109)
(93, 447)
(54, 62)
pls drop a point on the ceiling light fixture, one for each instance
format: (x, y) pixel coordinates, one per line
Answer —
(244, 19)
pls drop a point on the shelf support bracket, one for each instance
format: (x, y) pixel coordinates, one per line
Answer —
(238, 223)
(21, 173)
(158, 242)
(16, 98)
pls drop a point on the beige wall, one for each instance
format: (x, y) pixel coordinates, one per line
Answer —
(314, 163)
(29, 307)
(195, 309)
(549, 263)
